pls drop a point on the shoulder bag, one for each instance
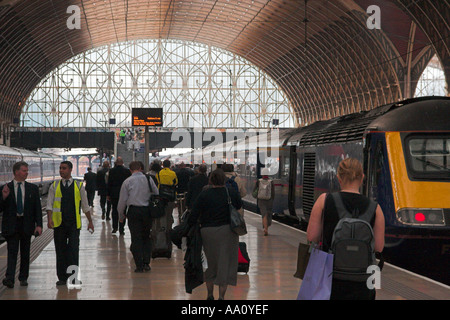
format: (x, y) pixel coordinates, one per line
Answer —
(166, 191)
(237, 222)
(155, 204)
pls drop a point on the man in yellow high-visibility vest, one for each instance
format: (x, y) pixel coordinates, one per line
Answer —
(66, 198)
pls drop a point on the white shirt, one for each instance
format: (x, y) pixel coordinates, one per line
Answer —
(135, 192)
(51, 196)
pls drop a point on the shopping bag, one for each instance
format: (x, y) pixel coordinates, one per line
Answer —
(316, 284)
(302, 259)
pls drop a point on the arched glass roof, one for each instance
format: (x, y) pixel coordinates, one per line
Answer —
(196, 85)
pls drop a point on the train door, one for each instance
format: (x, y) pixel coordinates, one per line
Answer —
(374, 166)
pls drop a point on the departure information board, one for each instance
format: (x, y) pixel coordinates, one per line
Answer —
(152, 117)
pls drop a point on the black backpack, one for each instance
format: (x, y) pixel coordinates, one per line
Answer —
(353, 243)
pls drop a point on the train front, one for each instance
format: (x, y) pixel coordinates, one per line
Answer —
(418, 149)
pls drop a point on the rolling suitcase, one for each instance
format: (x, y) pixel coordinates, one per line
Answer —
(160, 234)
(243, 258)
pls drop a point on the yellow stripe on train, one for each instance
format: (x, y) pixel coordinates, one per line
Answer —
(412, 194)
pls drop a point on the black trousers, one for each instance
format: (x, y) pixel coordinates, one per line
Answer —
(18, 240)
(115, 216)
(140, 223)
(103, 202)
(90, 196)
(67, 247)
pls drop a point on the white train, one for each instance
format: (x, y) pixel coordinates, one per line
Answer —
(43, 168)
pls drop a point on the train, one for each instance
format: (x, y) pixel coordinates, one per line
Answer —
(43, 168)
(405, 151)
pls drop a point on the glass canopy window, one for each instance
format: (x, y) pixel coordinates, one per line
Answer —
(432, 80)
(196, 85)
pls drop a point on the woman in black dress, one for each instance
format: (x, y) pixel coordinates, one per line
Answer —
(220, 244)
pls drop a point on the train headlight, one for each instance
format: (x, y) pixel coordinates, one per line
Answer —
(425, 217)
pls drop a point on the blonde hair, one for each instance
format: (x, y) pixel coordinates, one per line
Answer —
(349, 170)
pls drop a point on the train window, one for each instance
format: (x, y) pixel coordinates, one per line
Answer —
(376, 172)
(428, 157)
(285, 168)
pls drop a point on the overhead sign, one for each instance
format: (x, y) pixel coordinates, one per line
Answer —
(152, 117)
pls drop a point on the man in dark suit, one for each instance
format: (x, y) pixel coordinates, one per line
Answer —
(90, 178)
(102, 188)
(116, 177)
(195, 186)
(22, 217)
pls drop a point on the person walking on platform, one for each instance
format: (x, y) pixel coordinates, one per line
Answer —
(102, 189)
(265, 193)
(22, 217)
(183, 175)
(221, 245)
(135, 194)
(231, 177)
(196, 185)
(116, 177)
(66, 198)
(122, 136)
(155, 167)
(167, 181)
(90, 179)
(350, 176)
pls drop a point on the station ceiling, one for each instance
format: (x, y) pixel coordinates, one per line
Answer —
(322, 53)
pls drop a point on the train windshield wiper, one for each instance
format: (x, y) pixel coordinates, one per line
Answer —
(432, 164)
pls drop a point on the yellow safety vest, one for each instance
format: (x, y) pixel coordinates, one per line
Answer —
(57, 214)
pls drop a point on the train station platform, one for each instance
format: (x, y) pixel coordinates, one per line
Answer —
(107, 270)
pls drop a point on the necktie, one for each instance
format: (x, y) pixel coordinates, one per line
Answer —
(67, 184)
(19, 198)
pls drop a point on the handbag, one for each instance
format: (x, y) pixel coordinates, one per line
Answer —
(156, 204)
(237, 222)
(255, 190)
(304, 252)
(316, 284)
(255, 193)
(167, 192)
(156, 207)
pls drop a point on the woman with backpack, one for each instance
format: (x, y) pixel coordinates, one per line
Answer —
(264, 192)
(350, 176)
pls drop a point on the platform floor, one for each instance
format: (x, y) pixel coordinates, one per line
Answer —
(107, 270)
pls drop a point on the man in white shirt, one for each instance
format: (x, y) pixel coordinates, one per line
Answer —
(66, 198)
(135, 194)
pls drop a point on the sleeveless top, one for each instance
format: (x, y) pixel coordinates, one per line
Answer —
(351, 201)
